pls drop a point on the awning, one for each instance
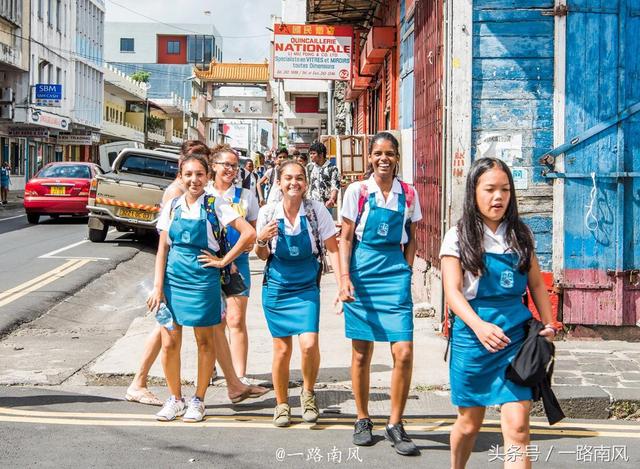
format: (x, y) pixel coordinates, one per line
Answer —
(354, 12)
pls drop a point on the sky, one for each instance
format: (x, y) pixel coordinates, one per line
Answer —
(241, 23)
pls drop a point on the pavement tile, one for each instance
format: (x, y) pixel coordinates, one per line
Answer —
(562, 380)
(603, 367)
(630, 376)
(625, 365)
(601, 380)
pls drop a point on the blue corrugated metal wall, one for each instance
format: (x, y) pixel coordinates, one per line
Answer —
(513, 88)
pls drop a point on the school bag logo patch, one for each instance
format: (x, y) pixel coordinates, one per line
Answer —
(294, 251)
(383, 229)
(506, 279)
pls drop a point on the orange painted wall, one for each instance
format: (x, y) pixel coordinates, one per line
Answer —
(166, 58)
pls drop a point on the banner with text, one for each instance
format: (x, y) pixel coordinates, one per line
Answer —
(312, 51)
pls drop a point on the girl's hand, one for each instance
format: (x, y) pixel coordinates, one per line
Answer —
(269, 231)
(155, 298)
(491, 336)
(347, 292)
(337, 305)
(209, 260)
(548, 332)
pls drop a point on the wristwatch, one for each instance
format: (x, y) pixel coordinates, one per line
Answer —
(262, 243)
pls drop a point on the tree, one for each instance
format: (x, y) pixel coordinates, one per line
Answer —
(141, 76)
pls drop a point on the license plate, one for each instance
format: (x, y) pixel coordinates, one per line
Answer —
(58, 190)
(137, 214)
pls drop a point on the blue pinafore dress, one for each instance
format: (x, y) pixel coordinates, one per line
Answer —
(233, 235)
(290, 294)
(188, 285)
(383, 306)
(477, 376)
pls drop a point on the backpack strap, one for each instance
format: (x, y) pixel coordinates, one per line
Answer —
(362, 200)
(172, 209)
(313, 221)
(237, 195)
(210, 207)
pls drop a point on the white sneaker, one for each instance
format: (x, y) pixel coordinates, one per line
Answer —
(172, 408)
(195, 411)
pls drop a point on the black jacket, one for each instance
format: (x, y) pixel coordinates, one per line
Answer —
(533, 367)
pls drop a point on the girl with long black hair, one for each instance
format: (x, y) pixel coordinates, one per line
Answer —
(488, 261)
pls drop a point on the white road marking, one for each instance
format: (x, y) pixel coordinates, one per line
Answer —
(12, 218)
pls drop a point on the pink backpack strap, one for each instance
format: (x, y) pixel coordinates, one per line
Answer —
(409, 193)
(362, 199)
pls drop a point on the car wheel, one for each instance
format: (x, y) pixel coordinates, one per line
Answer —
(98, 235)
(33, 218)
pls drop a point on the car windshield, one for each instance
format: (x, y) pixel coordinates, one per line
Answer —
(149, 166)
(66, 171)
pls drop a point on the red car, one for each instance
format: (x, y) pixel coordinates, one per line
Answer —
(59, 189)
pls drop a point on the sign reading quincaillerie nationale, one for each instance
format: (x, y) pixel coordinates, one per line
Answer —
(312, 51)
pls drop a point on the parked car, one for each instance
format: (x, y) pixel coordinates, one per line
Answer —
(129, 197)
(60, 188)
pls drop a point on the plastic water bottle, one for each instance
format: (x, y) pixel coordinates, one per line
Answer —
(164, 317)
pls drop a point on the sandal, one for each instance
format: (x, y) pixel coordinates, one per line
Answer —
(241, 397)
(143, 396)
(257, 391)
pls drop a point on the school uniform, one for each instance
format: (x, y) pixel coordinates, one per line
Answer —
(188, 286)
(383, 306)
(478, 376)
(290, 294)
(245, 205)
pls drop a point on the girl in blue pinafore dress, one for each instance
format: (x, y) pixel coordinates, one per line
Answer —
(488, 261)
(187, 278)
(292, 234)
(377, 248)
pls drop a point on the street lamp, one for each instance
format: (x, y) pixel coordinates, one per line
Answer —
(185, 127)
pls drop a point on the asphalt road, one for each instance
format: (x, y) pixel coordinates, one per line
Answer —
(41, 264)
(48, 427)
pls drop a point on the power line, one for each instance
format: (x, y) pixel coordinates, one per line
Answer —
(180, 28)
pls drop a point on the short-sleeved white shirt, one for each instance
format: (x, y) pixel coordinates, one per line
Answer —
(275, 193)
(226, 214)
(248, 200)
(494, 243)
(326, 225)
(352, 195)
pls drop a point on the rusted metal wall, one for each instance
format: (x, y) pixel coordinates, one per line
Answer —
(427, 124)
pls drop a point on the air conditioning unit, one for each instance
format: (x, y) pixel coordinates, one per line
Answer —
(322, 102)
(6, 111)
(6, 95)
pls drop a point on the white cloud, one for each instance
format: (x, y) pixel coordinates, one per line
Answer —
(241, 22)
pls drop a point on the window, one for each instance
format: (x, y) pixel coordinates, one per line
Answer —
(51, 13)
(11, 10)
(59, 15)
(148, 166)
(173, 47)
(126, 44)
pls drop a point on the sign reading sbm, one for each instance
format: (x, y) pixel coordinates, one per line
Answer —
(46, 91)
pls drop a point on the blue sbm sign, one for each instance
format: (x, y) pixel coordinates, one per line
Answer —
(47, 91)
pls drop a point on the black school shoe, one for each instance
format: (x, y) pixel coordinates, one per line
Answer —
(362, 432)
(400, 440)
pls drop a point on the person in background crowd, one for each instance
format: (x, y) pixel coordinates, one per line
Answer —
(250, 180)
(488, 261)
(5, 181)
(271, 177)
(377, 250)
(324, 177)
(293, 235)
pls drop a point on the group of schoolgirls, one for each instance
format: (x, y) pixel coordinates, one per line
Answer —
(488, 261)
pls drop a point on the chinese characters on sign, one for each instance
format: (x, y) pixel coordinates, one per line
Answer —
(316, 455)
(316, 52)
(582, 453)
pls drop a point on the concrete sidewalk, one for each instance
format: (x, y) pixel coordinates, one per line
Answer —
(593, 379)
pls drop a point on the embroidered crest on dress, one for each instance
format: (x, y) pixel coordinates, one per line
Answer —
(294, 251)
(186, 236)
(383, 229)
(506, 279)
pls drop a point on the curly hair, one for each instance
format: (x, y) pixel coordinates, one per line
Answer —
(194, 149)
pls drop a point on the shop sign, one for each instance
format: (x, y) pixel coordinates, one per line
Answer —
(47, 119)
(312, 51)
(75, 139)
(28, 132)
(48, 94)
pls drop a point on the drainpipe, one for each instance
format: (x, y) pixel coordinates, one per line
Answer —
(330, 111)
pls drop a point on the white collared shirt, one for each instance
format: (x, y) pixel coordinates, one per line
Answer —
(494, 243)
(352, 195)
(226, 214)
(247, 199)
(326, 225)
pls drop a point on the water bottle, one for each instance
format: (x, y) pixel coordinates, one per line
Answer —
(164, 317)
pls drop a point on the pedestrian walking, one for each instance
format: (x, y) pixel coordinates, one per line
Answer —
(5, 182)
(138, 390)
(250, 179)
(271, 177)
(488, 261)
(324, 177)
(293, 235)
(377, 249)
(243, 201)
(187, 277)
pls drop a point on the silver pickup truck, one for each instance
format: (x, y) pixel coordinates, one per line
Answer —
(129, 197)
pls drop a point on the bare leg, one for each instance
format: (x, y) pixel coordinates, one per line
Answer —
(206, 358)
(152, 347)
(282, 347)
(310, 350)
(514, 419)
(464, 433)
(400, 378)
(171, 345)
(238, 336)
(361, 354)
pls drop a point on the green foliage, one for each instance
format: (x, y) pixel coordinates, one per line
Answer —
(141, 76)
(155, 123)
